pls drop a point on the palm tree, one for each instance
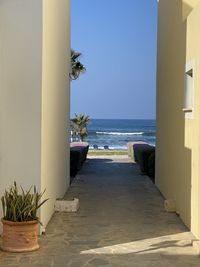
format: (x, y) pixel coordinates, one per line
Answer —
(76, 65)
(80, 123)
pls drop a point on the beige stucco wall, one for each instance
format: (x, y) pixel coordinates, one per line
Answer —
(20, 92)
(34, 96)
(55, 102)
(192, 127)
(187, 7)
(177, 158)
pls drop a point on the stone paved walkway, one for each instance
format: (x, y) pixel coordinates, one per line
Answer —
(121, 223)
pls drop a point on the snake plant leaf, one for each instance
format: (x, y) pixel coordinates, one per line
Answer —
(42, 203)
(20, 205)
(3, 205)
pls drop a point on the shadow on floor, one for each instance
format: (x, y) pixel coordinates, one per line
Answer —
(121, 222)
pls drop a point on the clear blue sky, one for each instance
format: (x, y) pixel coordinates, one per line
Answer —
(117, 39)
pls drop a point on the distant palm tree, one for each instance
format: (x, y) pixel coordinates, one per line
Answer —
(80, 123)
(76, 65)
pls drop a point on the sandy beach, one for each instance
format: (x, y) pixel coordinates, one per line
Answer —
(102, 152)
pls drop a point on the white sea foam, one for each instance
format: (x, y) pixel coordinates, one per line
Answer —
(117, 133)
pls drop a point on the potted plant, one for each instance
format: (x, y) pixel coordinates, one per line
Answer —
(20, 221)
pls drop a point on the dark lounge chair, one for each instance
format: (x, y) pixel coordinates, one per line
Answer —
(95, 147)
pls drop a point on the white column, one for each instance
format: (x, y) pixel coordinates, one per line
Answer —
(55, 102)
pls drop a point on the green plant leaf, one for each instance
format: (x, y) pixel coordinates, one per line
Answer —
(19, 205)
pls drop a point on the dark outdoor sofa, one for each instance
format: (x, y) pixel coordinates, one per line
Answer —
(78, 154)
(145, 156)
(75, 162)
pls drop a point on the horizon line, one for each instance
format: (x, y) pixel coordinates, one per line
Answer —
(121, 119)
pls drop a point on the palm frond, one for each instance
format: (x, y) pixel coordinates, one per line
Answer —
(77, 67)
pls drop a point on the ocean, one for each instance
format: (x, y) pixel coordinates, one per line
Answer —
(117, 133)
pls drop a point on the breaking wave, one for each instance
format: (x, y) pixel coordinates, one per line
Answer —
(117, 133)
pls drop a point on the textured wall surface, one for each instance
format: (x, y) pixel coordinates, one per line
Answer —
(55, 102)
(192, 127)
(177, 145)
(20, 93)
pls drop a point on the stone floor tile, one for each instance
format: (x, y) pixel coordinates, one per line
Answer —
(121, 223)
